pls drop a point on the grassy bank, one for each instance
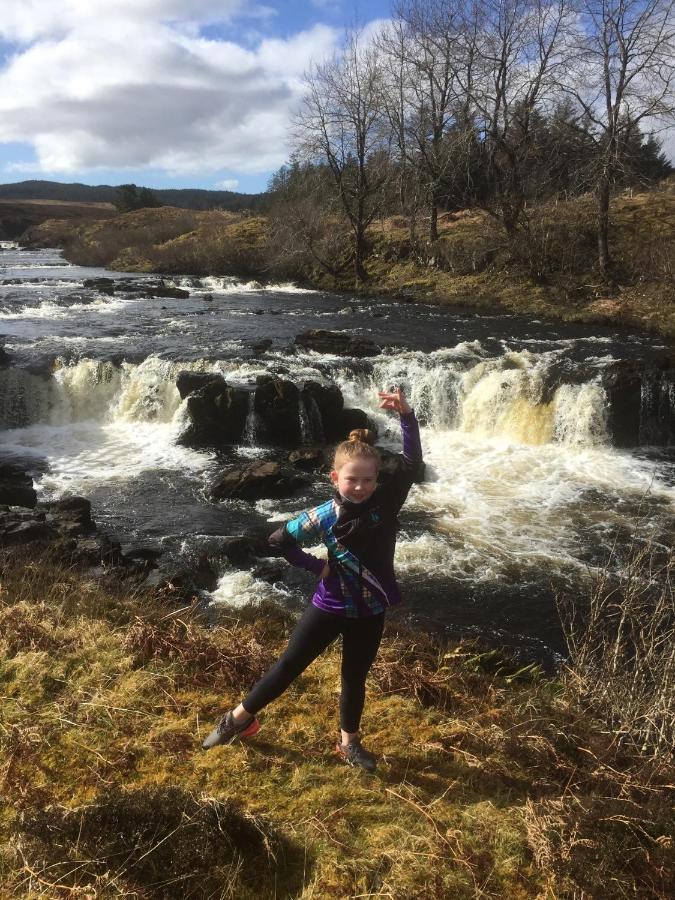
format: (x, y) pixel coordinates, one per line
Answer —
(547, 270)
(491, 783)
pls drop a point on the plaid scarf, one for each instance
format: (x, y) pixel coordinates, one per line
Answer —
(357, 583)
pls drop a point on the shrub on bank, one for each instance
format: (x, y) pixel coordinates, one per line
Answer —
(492, 782)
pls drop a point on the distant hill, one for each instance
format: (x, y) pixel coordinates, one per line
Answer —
(104, 193)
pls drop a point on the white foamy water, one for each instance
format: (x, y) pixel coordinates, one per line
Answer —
(237, 588)
(227, 284)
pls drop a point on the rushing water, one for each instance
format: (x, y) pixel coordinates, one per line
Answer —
(524, 491)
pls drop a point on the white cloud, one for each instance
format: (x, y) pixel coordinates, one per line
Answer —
(133, 84)
(228, 184)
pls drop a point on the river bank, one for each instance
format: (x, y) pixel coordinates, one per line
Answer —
(547, 272)
(491, 782)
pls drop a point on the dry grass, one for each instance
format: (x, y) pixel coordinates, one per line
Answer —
(492, 783)
(622, 649)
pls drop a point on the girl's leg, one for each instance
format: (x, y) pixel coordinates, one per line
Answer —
(313, 633)
(360, 643)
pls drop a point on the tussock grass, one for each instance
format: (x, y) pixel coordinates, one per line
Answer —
(492, 781)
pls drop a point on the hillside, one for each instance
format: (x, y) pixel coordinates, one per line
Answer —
(548, 271)
(16, 216)
(188, 198)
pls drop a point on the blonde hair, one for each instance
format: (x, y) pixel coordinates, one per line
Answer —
(359, 445)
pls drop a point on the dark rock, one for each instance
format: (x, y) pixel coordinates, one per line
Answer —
(71, 515)
(144, 554)
(164, 290)
(207, 298)
(217, 414)
(16, 487)
(325, 403)
(346, 421)
(188, 382)
(243, 549)
(5, 358)
(97, 550)
(309, 459)
(255, 482)
(183, 581)
(261, 346)
(277, 405)
(641, 402)
(337, 343)
(102, 285)
(24, 532)
(270, 570)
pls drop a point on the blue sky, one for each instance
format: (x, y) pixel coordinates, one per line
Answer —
(165, 93)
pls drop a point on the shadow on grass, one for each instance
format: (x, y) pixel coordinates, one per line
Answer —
(160, 842)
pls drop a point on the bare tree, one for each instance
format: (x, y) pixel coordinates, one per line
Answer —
(426, 49)
(341, 124)
(521, 51)
(625, 76)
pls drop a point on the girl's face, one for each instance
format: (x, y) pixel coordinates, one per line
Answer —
(356, 479)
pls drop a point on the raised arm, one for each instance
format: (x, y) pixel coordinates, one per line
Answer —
(413, 464)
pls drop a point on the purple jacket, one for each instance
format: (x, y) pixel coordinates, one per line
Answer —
(361, 535)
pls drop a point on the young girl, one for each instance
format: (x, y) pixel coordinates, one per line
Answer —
(356, 586)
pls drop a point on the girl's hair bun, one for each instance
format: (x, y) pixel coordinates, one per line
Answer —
(362, 435)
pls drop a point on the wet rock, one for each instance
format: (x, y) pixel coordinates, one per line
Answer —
(96, 550)
(207, 298)
(183, 581)
(243, 550)
(71, 515)
(276, 403)
(15, 530)
(165, 290)
(188, 382)
(258, 347)
(5, 358)
(336, 342)
(217, 414)
(257, 481)
(338, 428)
(102, 285)
(328, 398)
(309, 459)
(16, 487)
(640, 403)
(147, 555)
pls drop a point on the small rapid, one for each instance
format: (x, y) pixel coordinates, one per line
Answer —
(546, 447)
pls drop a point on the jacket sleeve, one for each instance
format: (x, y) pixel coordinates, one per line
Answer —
(287, 540)
(412, 468)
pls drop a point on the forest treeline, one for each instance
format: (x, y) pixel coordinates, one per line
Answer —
(500, 105)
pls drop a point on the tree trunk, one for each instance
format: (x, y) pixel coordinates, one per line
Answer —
(433, 219)
(603, 224)
(359, 255)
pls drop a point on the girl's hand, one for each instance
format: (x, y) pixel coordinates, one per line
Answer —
(325, 572)
(394, 400)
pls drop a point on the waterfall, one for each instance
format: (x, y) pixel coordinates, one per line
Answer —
(253, 427)
(89, 390)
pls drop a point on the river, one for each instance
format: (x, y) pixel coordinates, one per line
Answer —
(525, 494)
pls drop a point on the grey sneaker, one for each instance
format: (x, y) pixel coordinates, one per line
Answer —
(227, 731)
(355, 754)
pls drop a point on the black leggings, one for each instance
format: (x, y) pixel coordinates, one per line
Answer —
(315, 631)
